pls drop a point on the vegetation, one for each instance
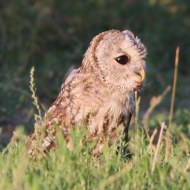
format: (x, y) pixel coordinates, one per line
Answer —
(150, 167)
(52, 36)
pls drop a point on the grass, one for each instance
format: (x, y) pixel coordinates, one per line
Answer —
(77, 169)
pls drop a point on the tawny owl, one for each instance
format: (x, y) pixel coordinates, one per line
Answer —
(99, 94)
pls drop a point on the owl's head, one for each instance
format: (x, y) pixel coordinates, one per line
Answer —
(118, 59)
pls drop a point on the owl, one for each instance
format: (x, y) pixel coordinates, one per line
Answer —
(100, 93)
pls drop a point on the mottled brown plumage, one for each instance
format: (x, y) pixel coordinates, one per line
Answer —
(100, 94)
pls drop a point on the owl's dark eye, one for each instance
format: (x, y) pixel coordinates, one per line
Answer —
(123, 59)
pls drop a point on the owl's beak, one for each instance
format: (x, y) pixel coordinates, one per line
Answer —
(142, 74)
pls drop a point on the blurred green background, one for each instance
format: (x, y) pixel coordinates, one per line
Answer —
(52, 35)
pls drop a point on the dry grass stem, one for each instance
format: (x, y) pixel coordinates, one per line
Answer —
(168, 138)
(137, 106)
(174, 86)
(155, 101)
(167, 146)
(187, 167)
(158, 147)
(152, 138)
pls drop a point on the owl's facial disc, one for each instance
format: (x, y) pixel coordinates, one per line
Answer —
(120, 60)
